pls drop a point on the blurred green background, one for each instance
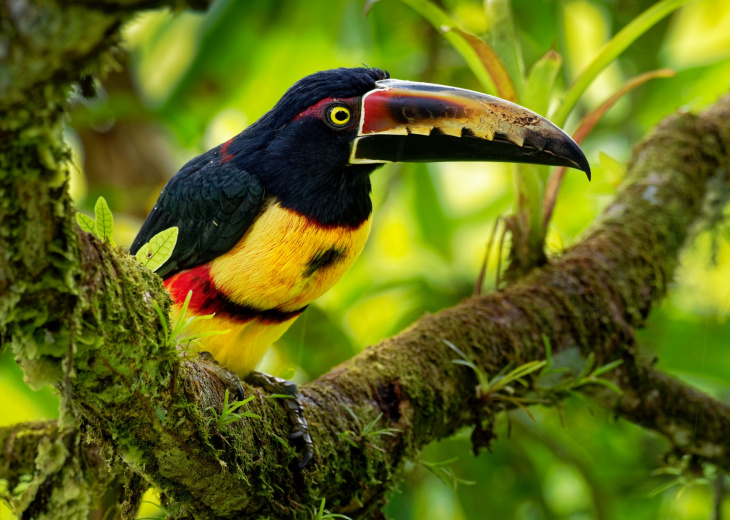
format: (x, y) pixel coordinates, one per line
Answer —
(192, 80)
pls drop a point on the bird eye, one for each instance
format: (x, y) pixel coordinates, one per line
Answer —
(338, 116)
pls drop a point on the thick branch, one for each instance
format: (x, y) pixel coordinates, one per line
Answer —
(590, 299)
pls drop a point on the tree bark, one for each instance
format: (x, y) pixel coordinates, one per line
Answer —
(78, 314)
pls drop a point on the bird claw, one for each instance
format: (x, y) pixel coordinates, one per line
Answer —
(229, 378)
(294, 409)
(273, 385)
(240, 395)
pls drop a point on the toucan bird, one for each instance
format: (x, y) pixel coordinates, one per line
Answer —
(272, 218)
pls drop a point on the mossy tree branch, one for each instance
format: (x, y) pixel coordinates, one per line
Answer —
(78, 314)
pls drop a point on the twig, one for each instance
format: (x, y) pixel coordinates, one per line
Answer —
(720, 491)
(478, 286)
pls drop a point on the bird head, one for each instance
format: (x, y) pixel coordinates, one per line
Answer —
(372, 119)
(331, 129)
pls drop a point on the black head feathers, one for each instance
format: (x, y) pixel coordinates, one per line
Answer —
(334, 83)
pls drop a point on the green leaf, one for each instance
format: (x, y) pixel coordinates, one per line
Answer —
(587, 367)
(443, 23)
(163, 320)
(548, 350)
(608, 384)
(228, 415)
(503, 38)
(104, 221)
(465, 361)
(519, 372)
(195, 337)
(664, 487)
(445, 474)
(289, 373)
(618, 44)
(232, 407)
(369, 426)
(324, 514)
(180, 323)
(280, 396)
(86, 223)
(613, 170)
(158, 250)
(592, 118)
(353, 415)
(541, 82)
(607, 367)
(492, 64)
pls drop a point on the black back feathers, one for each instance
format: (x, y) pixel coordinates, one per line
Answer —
(212, 204)
(304, 166)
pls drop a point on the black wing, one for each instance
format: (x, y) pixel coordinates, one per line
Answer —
(212, 204)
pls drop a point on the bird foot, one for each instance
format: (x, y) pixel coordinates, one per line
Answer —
(294, 409)
(230, 379)
(272, 385)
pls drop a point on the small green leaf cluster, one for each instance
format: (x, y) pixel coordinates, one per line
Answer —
(365, 432)
(547, 389)
(588, 375)
(102, 227)
(687, 472)
(177, 336)
(555, 382)
(565, 384)
(501, 386)
(228, 414)
(152, 255)
(445, 474)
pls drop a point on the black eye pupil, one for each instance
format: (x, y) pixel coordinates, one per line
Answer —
(341, 115)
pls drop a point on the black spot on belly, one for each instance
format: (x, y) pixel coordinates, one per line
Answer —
(323, 258)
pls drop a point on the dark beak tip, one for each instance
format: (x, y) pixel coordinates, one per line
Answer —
(578, 158)
(580, 164)
(586, 168)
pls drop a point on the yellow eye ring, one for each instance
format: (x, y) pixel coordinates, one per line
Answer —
(339, 116)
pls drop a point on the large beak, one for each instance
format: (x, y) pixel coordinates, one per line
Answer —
(405, 121)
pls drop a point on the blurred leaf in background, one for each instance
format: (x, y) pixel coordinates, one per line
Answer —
(193, 80)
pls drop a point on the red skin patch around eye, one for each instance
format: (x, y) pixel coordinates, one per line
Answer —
(318, 110)
(315, 110)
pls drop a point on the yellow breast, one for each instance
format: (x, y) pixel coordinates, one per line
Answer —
(243, 346)
(283, 262)
(286, 260)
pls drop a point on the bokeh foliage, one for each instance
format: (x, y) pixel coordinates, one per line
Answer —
(195, 79)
